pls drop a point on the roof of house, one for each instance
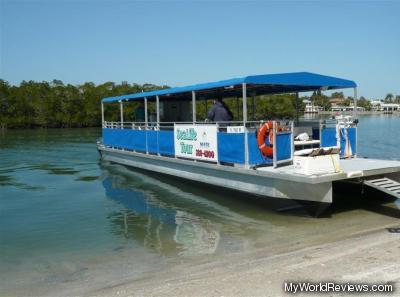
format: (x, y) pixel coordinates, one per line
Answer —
(336, 100)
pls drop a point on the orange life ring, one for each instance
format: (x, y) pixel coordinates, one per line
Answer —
(264, 131)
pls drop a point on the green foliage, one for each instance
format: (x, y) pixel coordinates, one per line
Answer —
(4, 103)
(42, 104)
(363, 102)
(322, 100)
(389, 98)
(280, 106)
(337, 95)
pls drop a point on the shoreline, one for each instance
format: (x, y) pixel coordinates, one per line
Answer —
(351, 113)
(370, 256)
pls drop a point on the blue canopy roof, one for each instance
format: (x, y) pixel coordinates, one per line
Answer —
(258, 84)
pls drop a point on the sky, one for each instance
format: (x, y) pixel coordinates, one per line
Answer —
(187, 42)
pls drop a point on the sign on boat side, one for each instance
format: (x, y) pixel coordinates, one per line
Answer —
(196, 142)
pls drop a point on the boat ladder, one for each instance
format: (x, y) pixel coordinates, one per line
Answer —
(385, 185)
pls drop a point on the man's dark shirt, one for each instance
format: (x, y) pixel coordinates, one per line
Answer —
(219, 113)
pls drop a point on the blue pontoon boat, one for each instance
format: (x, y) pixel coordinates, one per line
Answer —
(291, 159)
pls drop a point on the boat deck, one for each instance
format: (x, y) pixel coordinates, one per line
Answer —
(352, 168)
(369, 166)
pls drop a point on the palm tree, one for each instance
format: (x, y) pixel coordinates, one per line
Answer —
(389, 98)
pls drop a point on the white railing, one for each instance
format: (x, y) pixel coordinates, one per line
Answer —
(250, 127)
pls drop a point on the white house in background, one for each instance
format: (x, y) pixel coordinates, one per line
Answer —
(390, 107)
(376, 105)
(310, 107)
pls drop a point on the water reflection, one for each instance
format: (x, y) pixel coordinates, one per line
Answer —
(157, 225)
(52, 169)
(88, 178)
(171, 217)
(8, 180)
(169, 220)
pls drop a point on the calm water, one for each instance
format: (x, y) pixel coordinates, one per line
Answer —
(67, 219)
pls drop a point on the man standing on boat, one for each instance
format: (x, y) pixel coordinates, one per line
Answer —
(219, 112)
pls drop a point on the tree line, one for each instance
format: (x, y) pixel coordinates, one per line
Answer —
(57, 105)
(322, 100)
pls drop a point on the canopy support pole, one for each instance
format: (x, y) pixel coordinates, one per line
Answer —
(297, 108)
(194, 106)
(244, 104)
(146, 122)
(355, 117)
(121, 108)
(158, 112)
(355, 103)
(102, 114)
(158, 123)
(145, 113)
(246, 141)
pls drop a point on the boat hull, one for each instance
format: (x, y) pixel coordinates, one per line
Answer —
(239, 179)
